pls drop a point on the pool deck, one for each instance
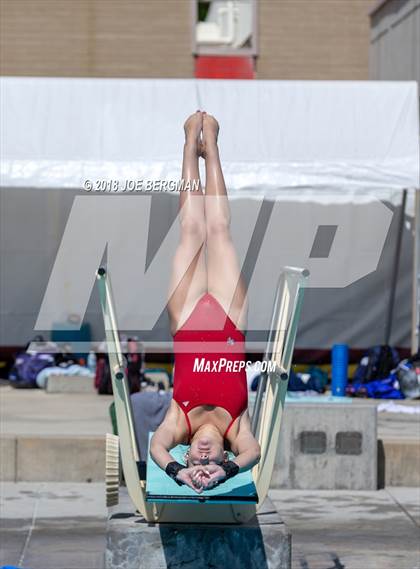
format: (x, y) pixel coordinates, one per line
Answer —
(63, 526)
(35, 412)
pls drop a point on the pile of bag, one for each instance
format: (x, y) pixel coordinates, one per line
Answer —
(381, 375)
(408, 376)
(29, 364)
(314, 379)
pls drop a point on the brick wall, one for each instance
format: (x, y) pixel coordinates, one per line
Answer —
(115, 38)
(313, 39)
(298, 39)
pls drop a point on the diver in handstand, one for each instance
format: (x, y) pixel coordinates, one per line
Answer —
(207, 308)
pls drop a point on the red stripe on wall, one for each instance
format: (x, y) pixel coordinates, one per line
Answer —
(224, 67)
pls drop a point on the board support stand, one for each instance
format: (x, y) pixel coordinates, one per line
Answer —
(133, 543)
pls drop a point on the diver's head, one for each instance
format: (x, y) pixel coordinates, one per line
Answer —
(207, 447)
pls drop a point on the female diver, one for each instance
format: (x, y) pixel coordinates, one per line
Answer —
(207, 311)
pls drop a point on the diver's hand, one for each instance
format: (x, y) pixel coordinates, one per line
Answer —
(192, 477)
(213, 475)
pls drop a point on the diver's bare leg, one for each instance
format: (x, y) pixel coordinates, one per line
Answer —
(224, 278)
(188, 280)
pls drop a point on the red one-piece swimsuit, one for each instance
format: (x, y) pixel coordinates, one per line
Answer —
(208, 350)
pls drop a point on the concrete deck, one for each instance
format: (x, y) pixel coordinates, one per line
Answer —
(63, 526)
(35, 412)
(67, 429)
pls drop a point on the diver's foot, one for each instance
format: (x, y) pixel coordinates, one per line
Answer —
(193, 127)
(201, 149)
(210, 133)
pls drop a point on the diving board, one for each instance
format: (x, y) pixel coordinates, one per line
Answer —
(230, 506)
(239, 489)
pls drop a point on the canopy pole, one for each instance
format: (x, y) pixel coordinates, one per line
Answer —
(416, 275)
(396, 265)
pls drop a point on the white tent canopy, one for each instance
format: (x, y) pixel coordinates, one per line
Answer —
(326, 148)
(345, 137)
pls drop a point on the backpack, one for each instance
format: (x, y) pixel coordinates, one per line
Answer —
(103, 381)
(408, 374)
(317, 380)
(377, 363)
(133, 369)
(27, 366)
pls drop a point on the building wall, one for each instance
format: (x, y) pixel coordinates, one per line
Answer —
(297, 39)
(313, 39)
(395, 41)
(108, 38)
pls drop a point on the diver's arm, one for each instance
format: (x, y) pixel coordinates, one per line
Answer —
(247, 451)
(245, 446)
(164, 439)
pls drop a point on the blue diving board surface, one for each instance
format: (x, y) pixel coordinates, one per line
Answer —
(239, 489)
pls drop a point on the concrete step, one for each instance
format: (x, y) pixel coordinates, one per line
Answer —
(81, 458)
(398, 462)
(70, 384)
(52, 458)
